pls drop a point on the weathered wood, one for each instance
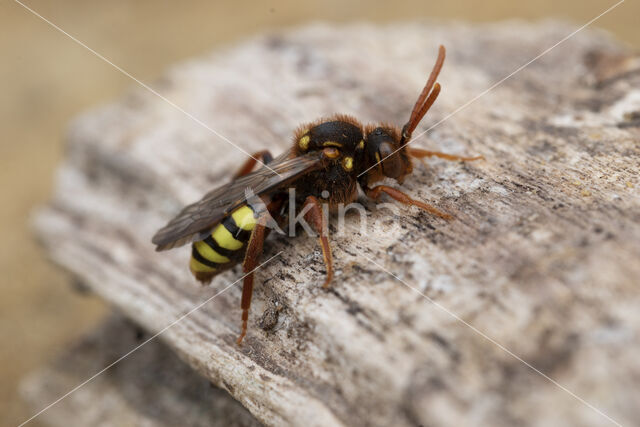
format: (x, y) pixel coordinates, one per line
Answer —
(542, 256)
(153, 388)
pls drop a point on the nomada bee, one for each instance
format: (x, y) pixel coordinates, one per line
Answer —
(333, 157)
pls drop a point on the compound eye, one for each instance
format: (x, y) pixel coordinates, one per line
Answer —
(391, 164)
(331, 152)
(385, 149)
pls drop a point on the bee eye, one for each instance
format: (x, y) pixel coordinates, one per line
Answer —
(331, 152)
(391, 163)
(385, 150)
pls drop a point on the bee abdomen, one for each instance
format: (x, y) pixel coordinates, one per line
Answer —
(224, 247)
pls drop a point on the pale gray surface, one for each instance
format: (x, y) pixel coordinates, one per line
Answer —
(151, 388)
(542, 256)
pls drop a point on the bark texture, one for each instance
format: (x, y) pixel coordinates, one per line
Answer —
(542, 259)
(152, 388)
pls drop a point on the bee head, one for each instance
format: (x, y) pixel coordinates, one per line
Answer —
(384, 150)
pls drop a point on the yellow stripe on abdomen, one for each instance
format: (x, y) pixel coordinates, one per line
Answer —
(198, 267)
(244, 218)
(223, 247)
(223, 238)
(209, 253)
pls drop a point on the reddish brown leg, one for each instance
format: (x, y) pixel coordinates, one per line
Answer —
(263, 156)
(398, 195)
(420, 153)
(251, 258)
(315, 217)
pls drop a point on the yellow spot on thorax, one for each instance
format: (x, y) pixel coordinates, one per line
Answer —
(304, 142)
(347, 163)
(244, 218)
(198, 267)
(222, 237)
(361, 144)
(207, 252)
(331, 152)
(331, 144)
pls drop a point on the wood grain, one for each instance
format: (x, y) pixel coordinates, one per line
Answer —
(542, 256)
(152, 388)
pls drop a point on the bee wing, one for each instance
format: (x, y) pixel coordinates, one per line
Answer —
(195, 221)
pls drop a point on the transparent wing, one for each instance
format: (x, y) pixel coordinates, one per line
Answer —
(196, 220)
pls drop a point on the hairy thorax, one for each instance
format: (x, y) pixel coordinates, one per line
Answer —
(343, 139)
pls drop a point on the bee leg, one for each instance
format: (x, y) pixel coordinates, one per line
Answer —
(251, 259)
(317, 220)
(401, 197)
(262, 156)
(420, 154)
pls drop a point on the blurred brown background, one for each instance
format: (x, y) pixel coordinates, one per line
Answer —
(46, 79)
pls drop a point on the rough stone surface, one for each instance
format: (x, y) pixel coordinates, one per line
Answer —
(542, 257)
(152, 388)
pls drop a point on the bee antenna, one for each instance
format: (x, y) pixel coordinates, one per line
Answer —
(425, 100)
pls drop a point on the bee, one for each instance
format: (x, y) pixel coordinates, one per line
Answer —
(329, 159)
